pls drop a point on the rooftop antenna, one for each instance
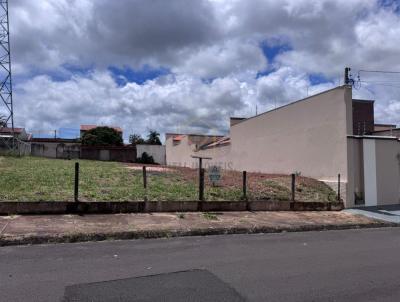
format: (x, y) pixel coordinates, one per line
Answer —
(6, 96)
(346, 75)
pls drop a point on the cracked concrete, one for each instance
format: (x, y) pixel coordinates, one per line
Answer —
(72, 228)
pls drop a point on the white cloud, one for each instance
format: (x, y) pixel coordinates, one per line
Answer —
(196, 40)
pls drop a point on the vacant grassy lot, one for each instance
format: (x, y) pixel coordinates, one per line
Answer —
(35, 179)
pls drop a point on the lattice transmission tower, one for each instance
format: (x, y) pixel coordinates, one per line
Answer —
(7, 134)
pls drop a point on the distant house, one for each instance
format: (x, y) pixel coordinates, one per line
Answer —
(180, 147)
(85, 128)
(20, 133)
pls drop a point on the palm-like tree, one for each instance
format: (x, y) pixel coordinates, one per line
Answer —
(153, 138)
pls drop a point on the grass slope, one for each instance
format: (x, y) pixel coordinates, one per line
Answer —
(36, 179)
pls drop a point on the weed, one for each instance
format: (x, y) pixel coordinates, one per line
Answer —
(210, 216)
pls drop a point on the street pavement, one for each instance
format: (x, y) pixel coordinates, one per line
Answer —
(347, 265)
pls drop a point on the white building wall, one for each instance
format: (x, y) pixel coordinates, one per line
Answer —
(387, 154)
(157, 151)
(370, 189)
(309, 136)
(179, 154)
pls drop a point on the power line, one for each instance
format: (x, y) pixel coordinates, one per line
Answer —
(388, 83)
(378, 71)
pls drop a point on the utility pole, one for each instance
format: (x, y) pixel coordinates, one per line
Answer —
(6, 96)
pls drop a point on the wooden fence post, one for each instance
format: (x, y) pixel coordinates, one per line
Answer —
(245, 190)
(201, 185)
(338, 188)
(145, 182)
(293, 186)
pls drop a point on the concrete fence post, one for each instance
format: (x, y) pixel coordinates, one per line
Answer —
(245, 190)
(201, 185)
(76, 186)
(145, 183)
(201, 190)
(293, 186)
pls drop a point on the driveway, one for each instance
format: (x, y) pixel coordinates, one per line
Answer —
(389, 213)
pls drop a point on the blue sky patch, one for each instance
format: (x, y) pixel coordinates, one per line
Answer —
(128, 75)
(58, 75)
(68, 133)
(271, 51)
(390, 4)
(316, 79)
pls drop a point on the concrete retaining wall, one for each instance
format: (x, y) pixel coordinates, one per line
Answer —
(54, 207)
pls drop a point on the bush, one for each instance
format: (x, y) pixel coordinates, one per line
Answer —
(145, 159)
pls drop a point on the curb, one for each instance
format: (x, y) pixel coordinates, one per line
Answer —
(153, 234)
(117, 207)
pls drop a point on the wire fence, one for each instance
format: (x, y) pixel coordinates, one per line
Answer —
(40, 179)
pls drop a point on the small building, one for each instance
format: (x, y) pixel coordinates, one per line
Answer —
(388, 132)
(20, 133)
(181, 147)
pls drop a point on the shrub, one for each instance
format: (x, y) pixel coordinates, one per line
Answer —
(145, 159)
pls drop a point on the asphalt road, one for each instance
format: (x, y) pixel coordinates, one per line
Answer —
(352, 265)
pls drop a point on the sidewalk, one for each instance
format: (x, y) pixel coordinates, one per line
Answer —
(16, 230)
(389, 213)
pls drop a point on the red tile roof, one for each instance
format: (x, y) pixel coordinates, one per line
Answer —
(221, 142)
(178, 138)
(9, 130)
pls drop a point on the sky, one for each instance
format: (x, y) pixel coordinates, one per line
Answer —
(188, 65)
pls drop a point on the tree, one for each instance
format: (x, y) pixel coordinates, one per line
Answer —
(136, 139)
(102, 136)
(153, 138)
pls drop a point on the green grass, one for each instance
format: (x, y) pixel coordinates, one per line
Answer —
(210, 216)
(40, 179)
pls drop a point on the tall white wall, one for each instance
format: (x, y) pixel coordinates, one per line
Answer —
(309, 136)
(376, 169)
(387, 154)
(369, 169)
(157, 151)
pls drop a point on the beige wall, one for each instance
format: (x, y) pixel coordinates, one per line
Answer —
(308, 136)
(157, 151)
(180, 154)
(376, 171)
(220, 157)
(387, 171)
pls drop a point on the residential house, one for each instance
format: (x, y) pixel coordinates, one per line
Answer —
(321, 136)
